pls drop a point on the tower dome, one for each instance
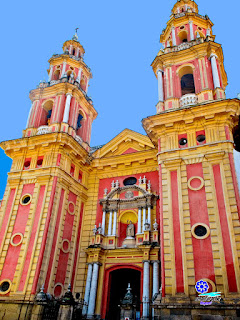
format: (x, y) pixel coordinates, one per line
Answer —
(185, 6)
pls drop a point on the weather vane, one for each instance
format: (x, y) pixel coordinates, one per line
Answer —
(76, 29)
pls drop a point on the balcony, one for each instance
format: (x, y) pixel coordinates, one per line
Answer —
(189, 99)
(43, 130)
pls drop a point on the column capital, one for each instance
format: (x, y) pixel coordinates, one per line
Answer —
(146, 261)
(213, 55)
(160, 70)
(155, 261)
(89, 263)
(173, 28)
(98, 263)
(69, 94)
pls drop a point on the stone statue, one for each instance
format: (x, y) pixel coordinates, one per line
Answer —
(130, 230)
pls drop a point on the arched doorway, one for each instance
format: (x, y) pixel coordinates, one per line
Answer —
(118, 282)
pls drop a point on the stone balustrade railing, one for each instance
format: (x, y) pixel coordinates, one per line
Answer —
(43, 130)
(189, 99)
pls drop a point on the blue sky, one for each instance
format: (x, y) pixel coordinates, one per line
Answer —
(121, 38)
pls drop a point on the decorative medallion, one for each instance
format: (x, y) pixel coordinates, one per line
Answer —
(129, 195)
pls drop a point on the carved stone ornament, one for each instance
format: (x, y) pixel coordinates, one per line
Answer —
(129, 195)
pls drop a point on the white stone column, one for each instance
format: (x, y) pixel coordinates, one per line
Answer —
(208, 32)
(77, 54)
(174, 42)
(145, 289)
(93, 292)
(115, 223)
(144, 218)
(155, 284)
(87, 86)
(110, 224)
(149, 216)
(139, 220)
(67, 108)
(103, 222)
(79, 75)
(70, 49)
(191, 30)
(160, 85)
(63, 69)
(155, 277)
(236, 155)
(50, 74)
(87, 288)
(216, 79)
(30, 113)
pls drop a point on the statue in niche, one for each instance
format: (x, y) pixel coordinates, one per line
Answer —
(130, 233)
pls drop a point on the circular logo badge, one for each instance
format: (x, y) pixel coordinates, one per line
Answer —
(202, 286)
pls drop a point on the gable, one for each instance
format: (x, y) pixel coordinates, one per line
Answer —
(126, 142)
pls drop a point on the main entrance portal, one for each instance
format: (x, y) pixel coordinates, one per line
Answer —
(118, 281)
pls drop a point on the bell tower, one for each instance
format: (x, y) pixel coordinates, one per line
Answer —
(62, 103)
(42, 209)
(194, 130)
(190, 67)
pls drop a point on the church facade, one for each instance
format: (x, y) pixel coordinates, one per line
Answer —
(161, 211)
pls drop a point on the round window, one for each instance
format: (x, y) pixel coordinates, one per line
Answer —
(5, 285)
(26, 199)
(201, 138)
(130, 181)
(200, 231)
(182, 27)
(26, 164)
(39, 163)
(183, 141)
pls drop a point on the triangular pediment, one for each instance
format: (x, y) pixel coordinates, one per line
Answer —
(125, 142)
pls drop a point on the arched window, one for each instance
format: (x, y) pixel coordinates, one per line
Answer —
(187, 80)
(73, 52)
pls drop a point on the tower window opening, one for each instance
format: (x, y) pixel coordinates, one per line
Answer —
(70, 75)
(56, 75)
(73, 52)
(187, 84)
(79, 119)
(47, 110)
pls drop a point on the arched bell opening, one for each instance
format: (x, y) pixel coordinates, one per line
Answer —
(70, 75)
(187, 80)
(47, 113)
(56, 75)
(80, 124)
(187, 84)
(183, 36)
